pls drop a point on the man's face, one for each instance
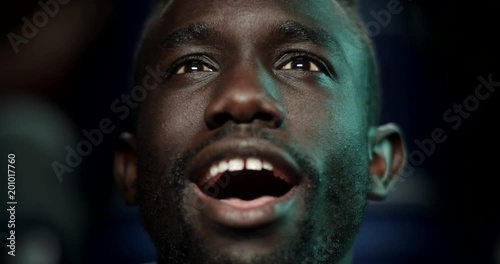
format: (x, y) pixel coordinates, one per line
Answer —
(255, 148)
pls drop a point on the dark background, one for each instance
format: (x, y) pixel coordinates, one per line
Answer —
(65, 79)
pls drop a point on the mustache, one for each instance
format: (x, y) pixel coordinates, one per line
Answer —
(248, 132)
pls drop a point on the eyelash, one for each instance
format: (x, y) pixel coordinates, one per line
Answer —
(179, 67)
(290, 57)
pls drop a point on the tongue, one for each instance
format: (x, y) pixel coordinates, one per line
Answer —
(243, 204)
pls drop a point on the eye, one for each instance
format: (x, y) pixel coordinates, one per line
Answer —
(301, 64)
(191, 66)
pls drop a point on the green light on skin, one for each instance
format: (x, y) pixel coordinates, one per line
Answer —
(283, 207)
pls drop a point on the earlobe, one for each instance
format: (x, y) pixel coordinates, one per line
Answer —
(387, 159)
(125, 166)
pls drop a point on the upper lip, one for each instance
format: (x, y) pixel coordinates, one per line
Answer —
(243, 147)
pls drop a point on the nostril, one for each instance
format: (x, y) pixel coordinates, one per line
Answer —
(252, 108)
(274, 119)
(221, 119)
(263, 116)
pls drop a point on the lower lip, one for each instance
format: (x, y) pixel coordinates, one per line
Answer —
(236, 213)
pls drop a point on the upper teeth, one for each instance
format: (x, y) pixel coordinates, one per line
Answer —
(253, 164)
(267, 166)
(238, 165)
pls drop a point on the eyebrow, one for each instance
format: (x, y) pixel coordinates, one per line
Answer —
(191, 34)
(291, 31)
(294, 31)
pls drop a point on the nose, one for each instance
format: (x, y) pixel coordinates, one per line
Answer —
(244, 95)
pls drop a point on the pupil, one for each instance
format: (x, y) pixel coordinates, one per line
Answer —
(194, 66)
(300, 64)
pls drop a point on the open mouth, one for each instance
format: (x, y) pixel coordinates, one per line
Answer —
(245, 179)
(244, 183)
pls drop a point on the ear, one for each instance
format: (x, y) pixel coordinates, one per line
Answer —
(387, 159)
(125, 166)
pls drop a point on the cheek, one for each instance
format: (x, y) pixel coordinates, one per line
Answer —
(329, 124)
(171, 121)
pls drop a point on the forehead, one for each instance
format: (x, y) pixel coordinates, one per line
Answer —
(245, 16)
